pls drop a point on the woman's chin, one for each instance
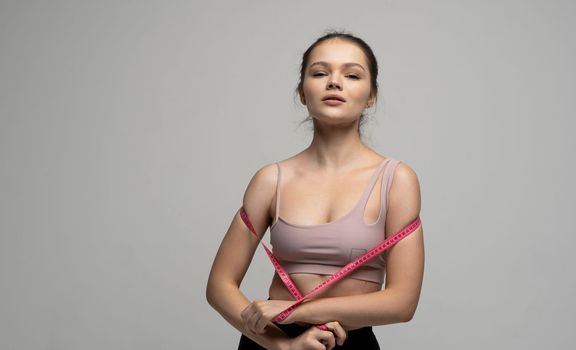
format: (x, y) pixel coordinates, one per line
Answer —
(335, 120)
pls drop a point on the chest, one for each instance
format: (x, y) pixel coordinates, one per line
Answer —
(333, 244)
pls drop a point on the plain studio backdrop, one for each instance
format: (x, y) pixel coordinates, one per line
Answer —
(130, 129)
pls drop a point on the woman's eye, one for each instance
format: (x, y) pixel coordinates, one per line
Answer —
(321, 74)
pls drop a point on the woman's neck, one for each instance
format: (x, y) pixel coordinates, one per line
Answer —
(335, 148)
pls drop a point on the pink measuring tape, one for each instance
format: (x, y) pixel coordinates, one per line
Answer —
(340, 274)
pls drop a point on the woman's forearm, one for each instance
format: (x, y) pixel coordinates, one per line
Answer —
(229, 302)
(356, 311)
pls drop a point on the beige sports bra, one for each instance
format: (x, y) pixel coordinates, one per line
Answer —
(325, 248)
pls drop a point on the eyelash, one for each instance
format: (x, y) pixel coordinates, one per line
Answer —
(353, 76)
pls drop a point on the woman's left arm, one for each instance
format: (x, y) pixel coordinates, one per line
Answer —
(404, 270)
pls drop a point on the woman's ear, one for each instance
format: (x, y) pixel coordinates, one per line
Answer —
(371, 101)
(302, 98)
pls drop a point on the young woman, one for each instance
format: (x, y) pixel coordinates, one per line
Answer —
(326, 206)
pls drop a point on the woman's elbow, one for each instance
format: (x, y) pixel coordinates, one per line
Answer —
(407, 313)
(212, 292)
(210, 300)
(218, 290)
(406, 317)
(209, 295)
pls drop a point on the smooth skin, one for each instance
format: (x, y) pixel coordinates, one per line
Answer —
(319, 185)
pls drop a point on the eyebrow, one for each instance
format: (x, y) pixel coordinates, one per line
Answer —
(349, 64)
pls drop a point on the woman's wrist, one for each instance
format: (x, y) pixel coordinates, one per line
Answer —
(302, 314)
(283, 344)
(279, 340)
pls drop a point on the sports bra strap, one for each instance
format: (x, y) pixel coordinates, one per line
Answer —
(368, 190)
(278, 192)
(389, 176)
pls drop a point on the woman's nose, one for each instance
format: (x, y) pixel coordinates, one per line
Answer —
(332, 84)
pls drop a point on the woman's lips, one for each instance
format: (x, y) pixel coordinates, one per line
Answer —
(333, 102)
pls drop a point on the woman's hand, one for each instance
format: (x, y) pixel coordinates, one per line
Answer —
(339, 332)
(317, 339)
(259, 313)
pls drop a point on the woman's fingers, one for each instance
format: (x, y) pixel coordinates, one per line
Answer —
(250, 318)
(260, 324)
(327, 339)
(255, 321)
(339, 331)
(314, 339)
(259, 313)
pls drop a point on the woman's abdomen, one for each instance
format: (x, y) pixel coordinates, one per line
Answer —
(307, 282)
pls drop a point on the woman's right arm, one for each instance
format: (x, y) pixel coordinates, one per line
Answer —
(235, 254)
(233, 259)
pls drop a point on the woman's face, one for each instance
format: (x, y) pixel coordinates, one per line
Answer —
(336, 67)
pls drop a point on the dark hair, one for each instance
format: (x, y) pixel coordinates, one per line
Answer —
(370, 57)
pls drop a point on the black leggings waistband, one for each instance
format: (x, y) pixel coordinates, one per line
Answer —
(361, 338)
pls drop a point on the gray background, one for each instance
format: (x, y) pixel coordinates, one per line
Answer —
(130, 129)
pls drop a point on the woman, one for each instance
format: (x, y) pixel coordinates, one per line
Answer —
(325, 206)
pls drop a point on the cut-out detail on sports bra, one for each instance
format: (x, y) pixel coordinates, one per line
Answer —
(362, 200)
(324, 248)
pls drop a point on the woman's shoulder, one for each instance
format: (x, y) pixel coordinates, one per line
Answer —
(258, 195)
(264, 178)
(404, 172)
(405, 189)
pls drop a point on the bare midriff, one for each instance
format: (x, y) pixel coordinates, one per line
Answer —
(306, 282)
